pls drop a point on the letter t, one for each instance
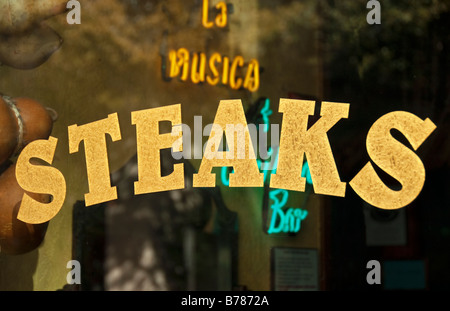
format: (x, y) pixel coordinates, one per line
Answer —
(94, 137)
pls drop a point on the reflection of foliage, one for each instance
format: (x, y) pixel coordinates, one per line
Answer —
(112, 32)
(402, 64)
(129, 31)
(398, 51)
(285, 19)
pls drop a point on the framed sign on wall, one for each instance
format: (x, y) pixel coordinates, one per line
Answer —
(295, 269)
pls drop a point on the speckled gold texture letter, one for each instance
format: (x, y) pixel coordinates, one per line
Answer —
(230, 114)
(94, 137)
(39, 179)
(395, 159)
(297, 140)
(150, 142)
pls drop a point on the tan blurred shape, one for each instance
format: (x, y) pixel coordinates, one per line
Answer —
(29, 49)
(19, 15)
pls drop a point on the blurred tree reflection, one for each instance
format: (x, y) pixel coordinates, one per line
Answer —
(401, 64)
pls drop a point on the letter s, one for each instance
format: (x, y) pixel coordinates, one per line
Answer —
(39, 179)
(395, 159)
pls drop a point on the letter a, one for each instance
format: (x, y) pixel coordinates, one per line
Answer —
(241, 153)
(74, 16)
(374, 15)
(374, 275)
(74, 275)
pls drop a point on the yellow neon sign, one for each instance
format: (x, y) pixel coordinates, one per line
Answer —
(184, 65)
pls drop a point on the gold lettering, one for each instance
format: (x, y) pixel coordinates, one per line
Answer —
(150, 142)
(395, 159)
(97, 165)
(297, 140)
(221, 19)
(174, 69)
(198, 74)
(215, 58)
(236, 84)
(246, 171)
(205, 22)
(252, 78)
(179, 59)
(226, 70)
(40, 179)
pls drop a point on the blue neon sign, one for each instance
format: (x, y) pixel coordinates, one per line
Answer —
(283, 220)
